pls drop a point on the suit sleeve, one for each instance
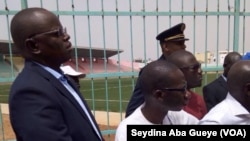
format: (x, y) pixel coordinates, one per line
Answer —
(136, 99)
(36, 116)
(208, 95)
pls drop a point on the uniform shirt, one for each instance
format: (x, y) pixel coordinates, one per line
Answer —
(172, 118)
(228, 111)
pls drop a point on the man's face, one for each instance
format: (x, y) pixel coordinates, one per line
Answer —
(50, 44)
(175, 96)
(172, 46)
(55, 47)
(191, 68)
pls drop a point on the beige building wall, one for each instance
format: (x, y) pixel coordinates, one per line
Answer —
(201, 57)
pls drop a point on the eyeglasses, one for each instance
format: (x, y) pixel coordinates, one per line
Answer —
(192, 67)
(183, 89)
(58, 32)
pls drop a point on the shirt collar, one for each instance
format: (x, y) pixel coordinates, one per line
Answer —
(50, 70)
(224, 77)
(241, 111)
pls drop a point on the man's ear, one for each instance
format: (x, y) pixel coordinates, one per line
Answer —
(164, 47)
(158, 94)
(247, 89)
(32, 46)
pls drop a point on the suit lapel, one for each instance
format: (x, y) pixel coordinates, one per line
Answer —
(222, 82)
(59, 86)
(85, 103)
(68, 95)
(65, 92)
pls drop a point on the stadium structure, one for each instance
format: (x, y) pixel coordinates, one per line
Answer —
(84, 59)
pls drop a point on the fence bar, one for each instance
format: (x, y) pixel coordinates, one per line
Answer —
(236, 25)
(1, 125)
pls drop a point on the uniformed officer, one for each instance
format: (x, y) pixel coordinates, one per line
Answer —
(171, 40)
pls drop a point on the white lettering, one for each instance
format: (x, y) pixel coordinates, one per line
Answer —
(144, 134)
(176, 132)
(208, 134)
(171, 132)
(232, 132)
(133, 132)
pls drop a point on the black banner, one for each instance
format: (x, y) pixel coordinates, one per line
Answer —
(196, 132)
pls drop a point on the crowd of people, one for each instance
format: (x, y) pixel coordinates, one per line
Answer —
(46, 105)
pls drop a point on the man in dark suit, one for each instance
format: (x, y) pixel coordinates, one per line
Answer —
(216, 91)
(43, 104)
(171, 40)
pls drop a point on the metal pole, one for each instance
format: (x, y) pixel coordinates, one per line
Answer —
(236, 24)
(24, 4)
(1, 125)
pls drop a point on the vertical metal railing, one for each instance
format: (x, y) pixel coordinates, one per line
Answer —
(1, 126)
(236, 25)
(234, 13)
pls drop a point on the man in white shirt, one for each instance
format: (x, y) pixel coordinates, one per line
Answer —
(235, 108)
(165, 91)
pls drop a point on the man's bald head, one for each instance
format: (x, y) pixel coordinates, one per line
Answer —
(181, 57)
(29, 22)
(230, 59)
(159, 74)
(238, 81)
(239, 75)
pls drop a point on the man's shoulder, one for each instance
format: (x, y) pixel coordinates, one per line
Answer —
(213, 83)
(135, 118)
(217, 113)
(182, 117)
(162, 57)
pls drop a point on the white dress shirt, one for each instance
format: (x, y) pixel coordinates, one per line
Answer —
(228, 111)
(137, 117)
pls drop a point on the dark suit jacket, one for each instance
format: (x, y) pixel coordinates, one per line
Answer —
(42, 109)
(215, 92)
(137, 97)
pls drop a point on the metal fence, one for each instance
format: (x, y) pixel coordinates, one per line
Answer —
(132, 25)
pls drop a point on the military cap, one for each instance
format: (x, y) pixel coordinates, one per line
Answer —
(174, 33)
